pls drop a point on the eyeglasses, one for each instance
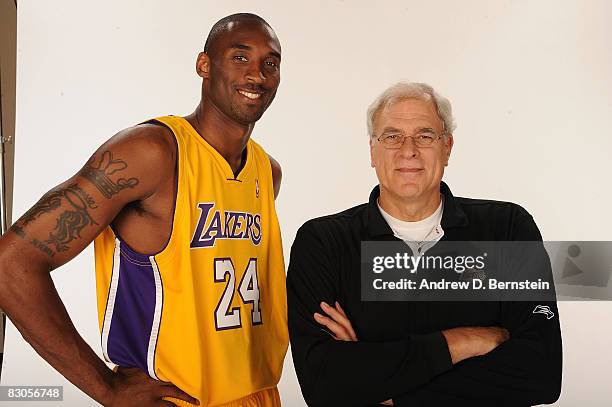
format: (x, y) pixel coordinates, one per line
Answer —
(421, 139)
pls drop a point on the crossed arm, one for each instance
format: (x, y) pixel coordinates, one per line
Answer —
(482, 381)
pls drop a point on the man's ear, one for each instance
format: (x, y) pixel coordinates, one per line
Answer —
(448, 145)
(203, 65)
(371, 152)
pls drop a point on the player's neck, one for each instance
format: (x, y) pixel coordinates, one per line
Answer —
(223, 134)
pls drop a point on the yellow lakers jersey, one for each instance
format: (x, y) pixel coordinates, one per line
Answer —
(208, 313)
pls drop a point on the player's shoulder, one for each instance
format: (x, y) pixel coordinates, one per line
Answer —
(148, 145)
(145, 152)
(276, 167)
(277, 175)
(145, 139)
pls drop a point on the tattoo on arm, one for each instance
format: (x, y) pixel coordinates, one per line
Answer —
(76, 217)
(18, 230)
(69, 224)
(42, 247)
(46, 204)
(98, 174)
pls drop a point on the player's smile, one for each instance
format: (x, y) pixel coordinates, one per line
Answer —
(250, 95)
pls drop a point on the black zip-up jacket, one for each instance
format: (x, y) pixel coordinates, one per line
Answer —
(401, 352)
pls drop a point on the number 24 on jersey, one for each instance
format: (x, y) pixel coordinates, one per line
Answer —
(248, 290)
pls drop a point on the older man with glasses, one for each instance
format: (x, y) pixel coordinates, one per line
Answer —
(354, 353)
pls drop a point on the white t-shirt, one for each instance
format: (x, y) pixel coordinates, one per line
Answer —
(420, 235)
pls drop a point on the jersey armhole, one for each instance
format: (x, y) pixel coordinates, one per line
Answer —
(259, 150)
(175, 212)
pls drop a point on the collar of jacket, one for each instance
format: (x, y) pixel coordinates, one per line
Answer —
(452, 217)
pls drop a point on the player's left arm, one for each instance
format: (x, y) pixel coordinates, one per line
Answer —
(277, 175)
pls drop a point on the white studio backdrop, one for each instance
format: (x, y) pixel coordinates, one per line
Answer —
(529, 81)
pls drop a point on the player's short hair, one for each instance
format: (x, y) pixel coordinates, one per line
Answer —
(412, 90)
(221, 26)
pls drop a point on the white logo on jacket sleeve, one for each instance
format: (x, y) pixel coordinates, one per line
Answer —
(544, 309)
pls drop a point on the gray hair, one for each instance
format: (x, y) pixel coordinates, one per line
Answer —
(412, 90)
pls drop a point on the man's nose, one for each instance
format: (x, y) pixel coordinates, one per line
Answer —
(408, 148)
(255, 73)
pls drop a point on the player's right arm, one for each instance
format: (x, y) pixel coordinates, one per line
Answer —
(128, 168)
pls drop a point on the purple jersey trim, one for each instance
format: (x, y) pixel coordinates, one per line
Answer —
(133, 312)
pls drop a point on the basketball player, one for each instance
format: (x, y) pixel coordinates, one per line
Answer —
(189, 267)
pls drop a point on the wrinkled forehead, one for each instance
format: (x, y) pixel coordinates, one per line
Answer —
(409, 114)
